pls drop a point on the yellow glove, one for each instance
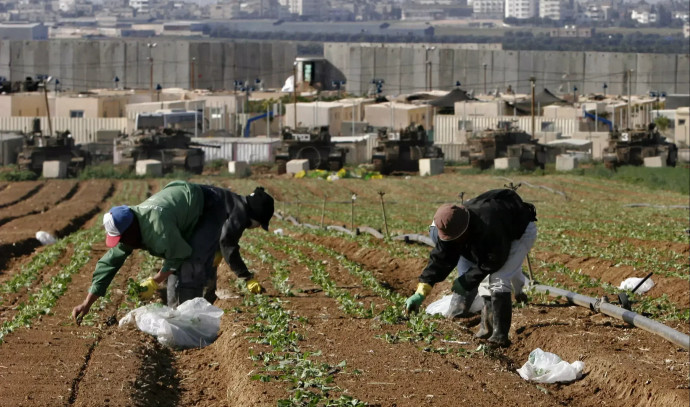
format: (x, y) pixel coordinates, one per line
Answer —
(254, 287)
(149, 287)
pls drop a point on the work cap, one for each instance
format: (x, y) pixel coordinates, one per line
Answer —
(260, 206)
(451, 221)
(115, 222)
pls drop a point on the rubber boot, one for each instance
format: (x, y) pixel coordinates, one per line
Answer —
(521, 297)
(503, 313)
(486, 324)
(463, 309)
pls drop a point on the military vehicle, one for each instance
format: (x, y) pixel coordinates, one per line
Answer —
(310, 144)
(632, 146)
(172, 147)
(402, 151)
(506, 141)
(39, 148)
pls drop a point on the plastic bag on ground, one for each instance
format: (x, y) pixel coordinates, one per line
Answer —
(632, 282)
(450, 305)
(45, 238)
(546, 367)
(194, 323)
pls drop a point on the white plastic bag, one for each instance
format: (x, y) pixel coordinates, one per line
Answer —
(546, 367)
(194, 323)
(45, 238)
(632, 282)
(449, 306)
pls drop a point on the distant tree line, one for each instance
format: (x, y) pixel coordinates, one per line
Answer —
(517, 40)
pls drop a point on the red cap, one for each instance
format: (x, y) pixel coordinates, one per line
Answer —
(451, 221)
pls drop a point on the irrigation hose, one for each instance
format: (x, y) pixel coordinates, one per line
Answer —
(637, 320)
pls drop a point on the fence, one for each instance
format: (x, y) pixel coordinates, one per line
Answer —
(84, 130)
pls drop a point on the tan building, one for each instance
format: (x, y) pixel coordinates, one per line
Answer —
(478, 108)
(398, 115)
(315, 114)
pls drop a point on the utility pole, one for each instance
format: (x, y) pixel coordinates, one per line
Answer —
(192, 73)
(294, 95)
(45, 93)
(485, 79)
(150, 46)
(630, 71)
(427, 61)
(532, 80)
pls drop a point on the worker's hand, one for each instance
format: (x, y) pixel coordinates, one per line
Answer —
(254, 287)
(80, 311)
(413, 303)
(148, 288)
(458, 288)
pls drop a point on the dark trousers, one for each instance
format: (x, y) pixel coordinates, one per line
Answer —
(197, 276)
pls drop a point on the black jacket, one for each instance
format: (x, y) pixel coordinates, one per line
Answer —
(497, 217)
(236, 222)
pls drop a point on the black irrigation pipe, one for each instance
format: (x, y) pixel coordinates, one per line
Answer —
(632, 318)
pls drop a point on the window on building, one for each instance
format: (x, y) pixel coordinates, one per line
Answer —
(216, 112)
(548, 126)
(464, 125)
(76, 114)
(681, 122)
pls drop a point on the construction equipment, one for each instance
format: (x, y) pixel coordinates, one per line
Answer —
(172, 147)
(506, 141)
(39, 148)
(632, 146)
(402, 151)
(310, 144)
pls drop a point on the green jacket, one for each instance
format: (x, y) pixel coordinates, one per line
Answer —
(166, 220)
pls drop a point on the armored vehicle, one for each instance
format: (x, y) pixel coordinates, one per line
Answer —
(402, 151)
(632, 146)
(310, 144)
(506, 141)
(172, 147)
(39, 148)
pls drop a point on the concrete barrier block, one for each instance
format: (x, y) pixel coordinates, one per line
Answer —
(238, 168)
(565, 162)
(654, 162)
(54, 169)
(430, 166)
(507, 163)
(152, 168)
(295, 166)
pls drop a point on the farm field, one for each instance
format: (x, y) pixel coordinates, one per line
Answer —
(330, 329)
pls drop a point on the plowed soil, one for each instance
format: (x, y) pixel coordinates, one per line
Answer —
(53, 362)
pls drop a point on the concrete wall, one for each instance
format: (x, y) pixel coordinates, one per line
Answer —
(403, 67)
(87, 64)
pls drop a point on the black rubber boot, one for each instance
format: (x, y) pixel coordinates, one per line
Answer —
(466, 305)
(503, 313)
(486, 324)
(521, 297)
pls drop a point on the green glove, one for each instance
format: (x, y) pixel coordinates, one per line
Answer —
(413, 303)
(254, 287)
(458, 288)
(149, 287)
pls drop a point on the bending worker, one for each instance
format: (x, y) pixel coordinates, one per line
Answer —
(493, 233)
(186, 224)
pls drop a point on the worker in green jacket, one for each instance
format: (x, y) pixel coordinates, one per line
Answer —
(186, 224)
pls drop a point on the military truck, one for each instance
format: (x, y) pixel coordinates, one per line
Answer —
(172, 147)
(310, 144)
(632, 146)
(402, 151)
(39, 147)
(506, 141)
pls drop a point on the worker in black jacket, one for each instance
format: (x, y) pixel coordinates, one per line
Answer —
(493, 232)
